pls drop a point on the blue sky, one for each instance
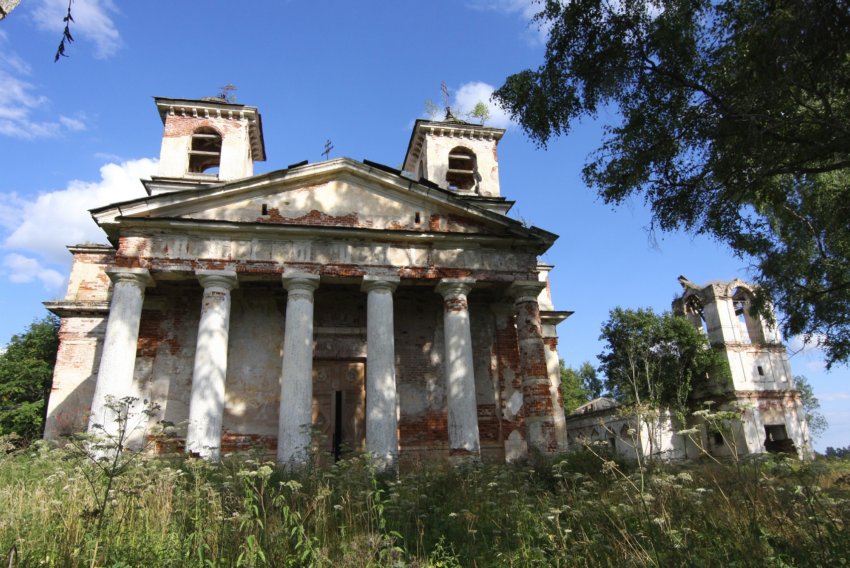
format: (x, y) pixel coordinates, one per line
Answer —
(80, 133)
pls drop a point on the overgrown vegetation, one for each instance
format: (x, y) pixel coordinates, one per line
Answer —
(579, 385)
(730, 118)
(26, 371)
(578, 511)
(658, 359)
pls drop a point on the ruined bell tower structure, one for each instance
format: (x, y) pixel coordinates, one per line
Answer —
(762, 384)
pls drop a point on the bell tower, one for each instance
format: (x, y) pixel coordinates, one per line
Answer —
(456, 155)
(206, 141)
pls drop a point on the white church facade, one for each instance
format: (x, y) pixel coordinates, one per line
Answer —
(340, 305)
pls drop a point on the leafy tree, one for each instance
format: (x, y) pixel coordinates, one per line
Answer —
(838, 452)
(572, 391)
(590, 380)
(734, 122)
(811, 407)
(480, 112)
(579, 385)
(26, 372)
(656, 360)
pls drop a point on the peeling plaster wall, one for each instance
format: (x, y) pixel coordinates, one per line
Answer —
(171, 312)
(236, 161)
(339, 203)
(436, 160)
(186, 253)
(75, 375)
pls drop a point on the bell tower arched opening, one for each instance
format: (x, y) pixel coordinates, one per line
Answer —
(205, 151)
(463, 166)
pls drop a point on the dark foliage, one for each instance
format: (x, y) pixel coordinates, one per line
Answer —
(735, 123)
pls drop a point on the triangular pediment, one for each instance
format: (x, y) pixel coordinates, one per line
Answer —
(339, 193)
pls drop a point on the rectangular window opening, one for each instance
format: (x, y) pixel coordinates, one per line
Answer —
(265, 209)
(760, 370)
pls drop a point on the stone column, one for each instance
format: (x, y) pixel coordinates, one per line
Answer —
(206, 405)
(296, 385)
(459, 370)
(543, 417)
(118, 358)
(381, 406)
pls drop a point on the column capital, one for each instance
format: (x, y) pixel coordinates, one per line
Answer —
(454, 287)
(217, 279)
(141, 277)
(525, 290)
(300, 282)
(379, 283)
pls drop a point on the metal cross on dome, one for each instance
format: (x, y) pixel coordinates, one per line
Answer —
(328, 147)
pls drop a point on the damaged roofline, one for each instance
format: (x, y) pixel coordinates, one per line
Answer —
(539, 245)
(385, 174)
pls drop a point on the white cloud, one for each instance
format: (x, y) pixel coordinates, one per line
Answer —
(72, 123)
(23, 270)
(92, 21)
(468, 95)
(525, 9)
(20, 101)
(833, 396)
(40, 229)
(811, 353)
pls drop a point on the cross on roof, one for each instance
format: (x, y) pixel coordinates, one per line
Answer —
(328, 147)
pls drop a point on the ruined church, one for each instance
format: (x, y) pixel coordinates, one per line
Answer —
(340, 306)
(346, 306)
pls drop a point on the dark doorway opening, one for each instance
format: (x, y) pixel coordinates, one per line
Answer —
(777, 440)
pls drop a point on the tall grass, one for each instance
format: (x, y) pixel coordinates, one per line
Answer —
(577, 511)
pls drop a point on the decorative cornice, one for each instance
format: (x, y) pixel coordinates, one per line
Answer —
(65, 309)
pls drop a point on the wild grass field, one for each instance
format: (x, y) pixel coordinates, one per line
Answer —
(581, 510)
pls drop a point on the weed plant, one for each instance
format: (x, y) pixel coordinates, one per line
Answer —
(584, 509)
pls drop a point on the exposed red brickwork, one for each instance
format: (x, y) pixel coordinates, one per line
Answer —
(428, 428)
(233, 442)
(489, 428)
(176, 125)
(316, 218)
(162, 326)
(450, 223)
(131, 250)
(456, 223)
(86, 287)
(536, 393)
(507, 365)
(455, 304)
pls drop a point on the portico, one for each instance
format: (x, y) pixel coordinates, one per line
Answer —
(338, 306)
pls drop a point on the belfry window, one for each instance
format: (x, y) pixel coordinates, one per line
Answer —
(462, 169)
(749, 325)
(205, 153)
